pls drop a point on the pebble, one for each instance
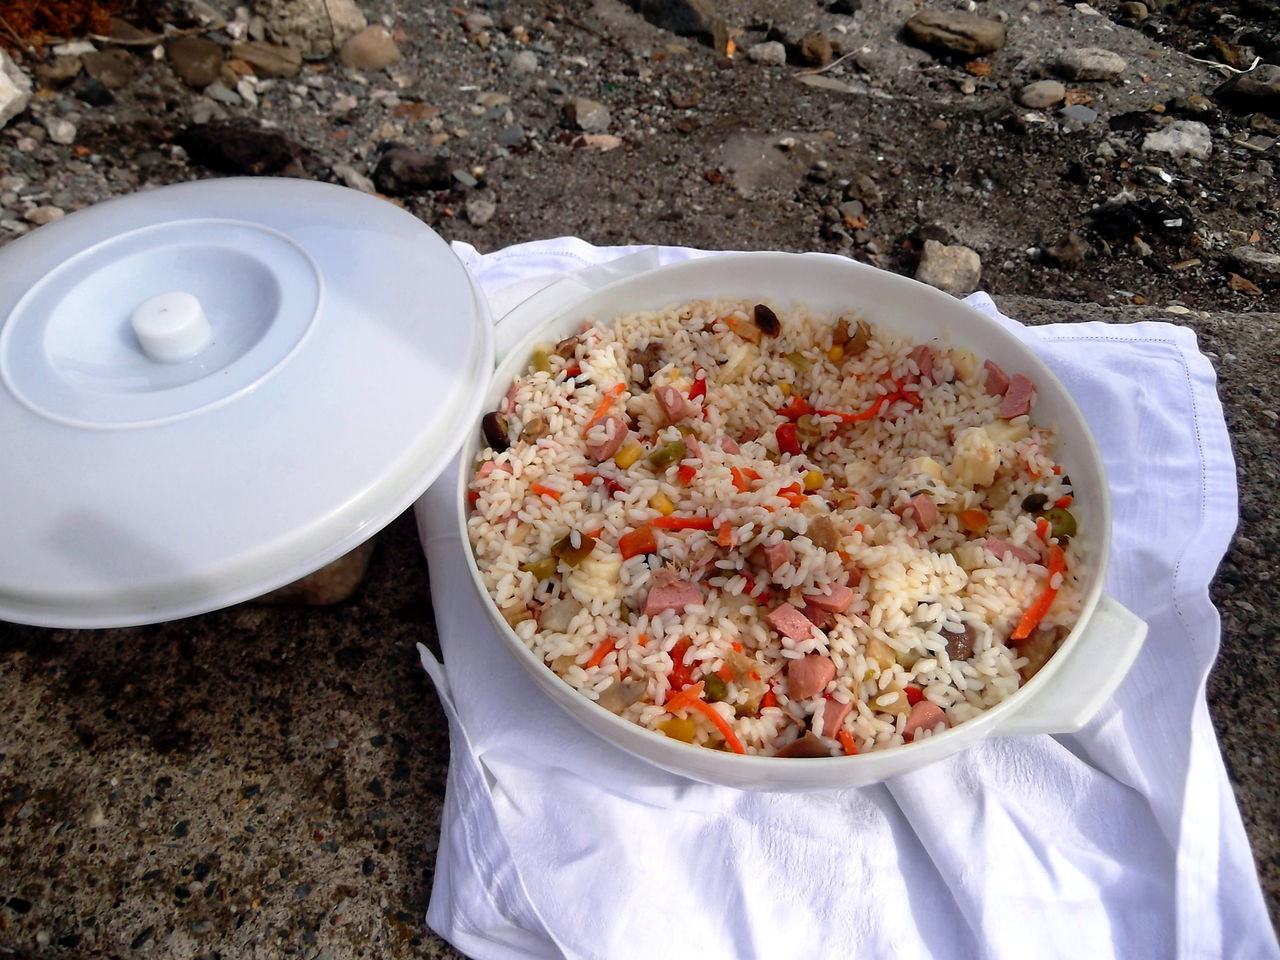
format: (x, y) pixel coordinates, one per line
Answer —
(268, 59)
(370, 49)
(770, 53)
(60, 130)
(1090, 63)
(526, 61)
(512, 135)
(954, 269)
(587, 115)
(1182, 138)
(1041, 94)
(354, 179)
(15, 89)
(1134, 11)
(248, 91)
(954, 32)
(197, 60)
(1256, 265)
(1077, 116)
(1257, 89)
(221, 93)
(315, 28)
(92, 91)
(39, 216)
(112, 68)
(600, 141)
(815, 49)
(403, 171)
(480, 211)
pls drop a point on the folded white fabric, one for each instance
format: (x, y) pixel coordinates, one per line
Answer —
(1120, 841)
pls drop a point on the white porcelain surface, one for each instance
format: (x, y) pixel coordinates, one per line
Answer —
(1060, 698)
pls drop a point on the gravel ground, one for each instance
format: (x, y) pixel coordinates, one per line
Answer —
(503, 122)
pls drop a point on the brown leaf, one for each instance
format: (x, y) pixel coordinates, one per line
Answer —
(1240, 285)
(979, 68)
(1077, 98)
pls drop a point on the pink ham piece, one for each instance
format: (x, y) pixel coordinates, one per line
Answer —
(818, 617)
(1002, 548)
(693, 447)
(997, 380)
(809, 676)
(833, 715)
(777, 556)
(614, 433)
(923, 507)
(486, 468)
(925, 715)
(836, 601)
(923, 355)
(669, 592)
(790, 622)
(730, 445)
(673, 403)
(1017, 399)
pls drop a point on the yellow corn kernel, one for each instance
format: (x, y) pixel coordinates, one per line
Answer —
(629, 454)
(679, 728)
(813, 480)
(786, 388)
(662, 503)
(836, 353)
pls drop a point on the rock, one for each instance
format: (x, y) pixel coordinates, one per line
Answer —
(686, 18)
(1182, 138)
(815, 49)
(480, 211)
(526, 61)
(1042, 94)
(236, 147)
(599, 141)
(220, 92)
(954, 269)
(587, 115)
(314, 28)
(39, 216)
(91, 91)
(15, 89)
(1259, 89)
(1077, 117)
(951, 32)
(403, 171)
(1069, 251)
(196, 60)
(268, 59)
(866, 190)
(60, 71)
(354, 179)
(113, 68)
(1090, 63)
(60, 131)
(512, 135)
(771, 53)
(370, 49)
(1133, 11)
(1257, 265)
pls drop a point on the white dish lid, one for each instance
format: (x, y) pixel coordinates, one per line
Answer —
(212, 389)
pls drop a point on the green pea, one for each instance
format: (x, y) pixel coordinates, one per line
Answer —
(667, 454)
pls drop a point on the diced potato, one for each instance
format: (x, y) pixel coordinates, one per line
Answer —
(1002, 431)
(896, 706)
(976, 458)
(881, 653)
(966, 364)
(858, 473)
(743, 357)
(925, 465)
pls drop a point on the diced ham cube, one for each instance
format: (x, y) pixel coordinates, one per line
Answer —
(837, 600)
(486, 468)
(833, 715)
(790, 622)
(730, 446)
(674, 595)
(1017, 399)
(923, 354)
(925, 715)
(926, 512)
(1002, 548)
(606, 438)
(777, 556)
(809, 676)
(693, 447)
(673, 403)
(820, 618)
(997, 380)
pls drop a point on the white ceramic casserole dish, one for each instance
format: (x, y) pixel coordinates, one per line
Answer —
(1065, 693)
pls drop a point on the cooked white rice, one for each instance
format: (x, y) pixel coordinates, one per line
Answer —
(843, 519)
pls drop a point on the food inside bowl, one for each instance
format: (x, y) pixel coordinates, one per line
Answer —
(762, 530)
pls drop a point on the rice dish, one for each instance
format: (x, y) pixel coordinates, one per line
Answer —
(758, 529)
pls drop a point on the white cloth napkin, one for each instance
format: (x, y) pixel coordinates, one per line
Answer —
(1120, 841)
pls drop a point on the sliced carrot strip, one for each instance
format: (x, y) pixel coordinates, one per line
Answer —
(683, 523)
(739, 480)
(1063, 502)
(847, 742)
(586, 478)
(712, 714)
(1042, 529)
(725, 674)
(685, 698)
(725, 535)
(1031, 619)
(543, 490)
(602, 650)
(603, 410)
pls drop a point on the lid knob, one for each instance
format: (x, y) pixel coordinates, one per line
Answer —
(171, 327)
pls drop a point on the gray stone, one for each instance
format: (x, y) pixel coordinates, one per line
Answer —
(196, 60)
(114, 69)
(771, 53)
(587, 115)
(815, 49)
(512, 135)
(1257, 265)
(1257, 89)
(268, 59)
(222, 93)
(1090, 63)
(953, 269)
(1182, 138)
(1134, 12)
(315, 28)
(60, 71)
(1077, 117)
(480, 211)
(1041, 94)
(60, 130)
(39, 216)
(354, 179)
(15, 89)
(370, 49)
(402, 171)
(953, 32)
(526, 61)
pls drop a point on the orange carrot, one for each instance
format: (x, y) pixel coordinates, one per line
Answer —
(1031, 619)
(642, 640)
(605, 647)
(737, 647)
(725, 535)
(544, 491)
(712, 714)
(847, 742)
(972, 521)
(683, 523)
(603, 410)
(739, 480)
(770, 699)
(1042, 529)
(685, 698)
(585, 478)
(1063, 502)
(725, 673)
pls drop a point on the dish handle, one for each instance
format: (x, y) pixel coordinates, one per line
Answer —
(1093, 669)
